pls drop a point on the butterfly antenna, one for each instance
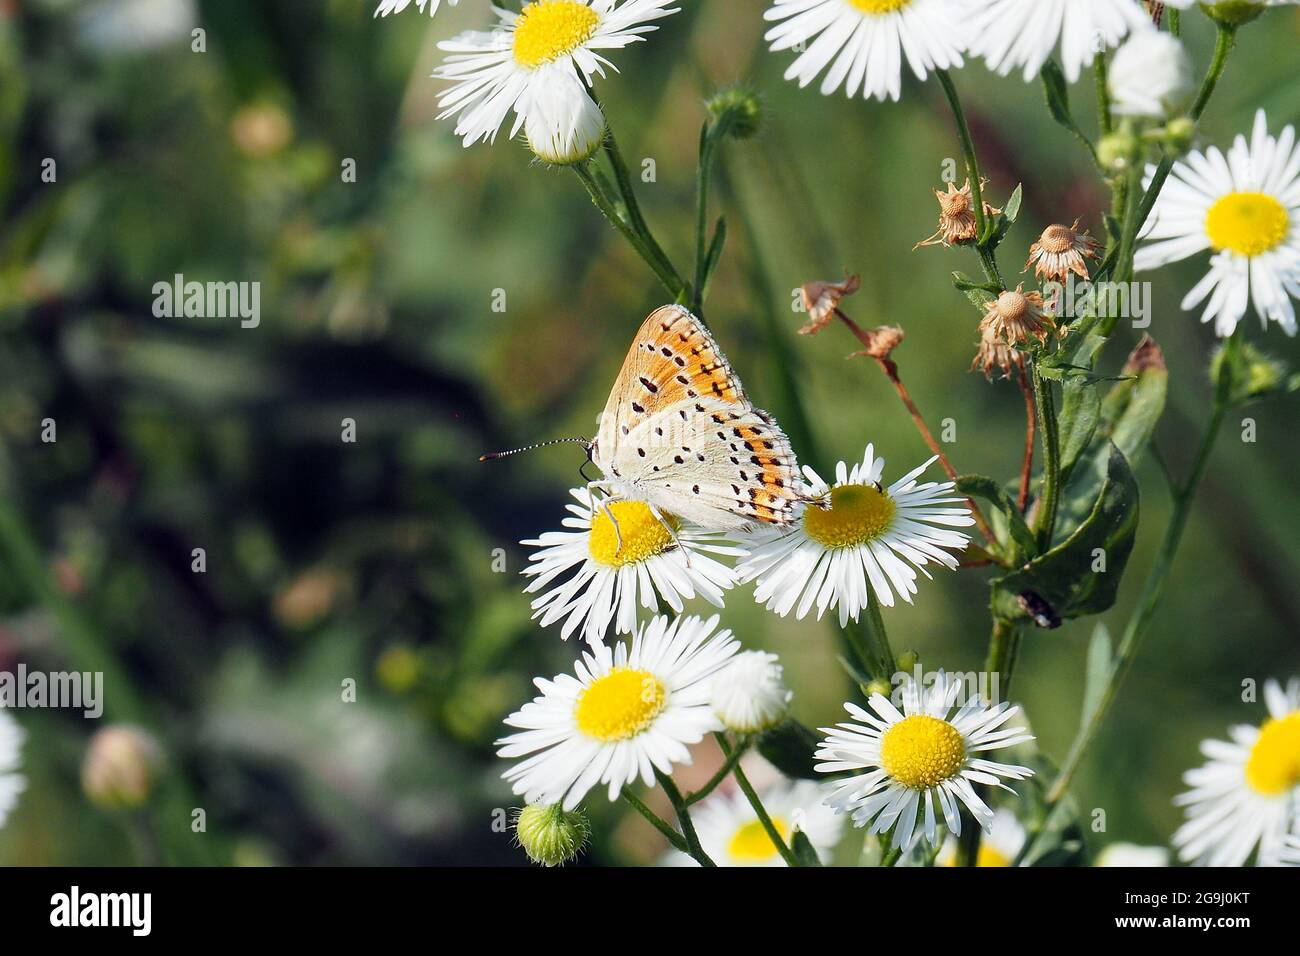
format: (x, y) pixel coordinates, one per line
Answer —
(541, 444)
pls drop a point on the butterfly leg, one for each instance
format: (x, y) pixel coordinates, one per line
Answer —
(671, 533)
(606, 498)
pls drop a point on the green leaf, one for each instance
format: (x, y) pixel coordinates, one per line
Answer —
(1077, 420)
(965, 283)
(715, 249)
(1097, 675)
(1057, 94)
(1129, 414)
(982, 486)
(789, 747)
(803, 850)
(1012, 209)
(1063, 577)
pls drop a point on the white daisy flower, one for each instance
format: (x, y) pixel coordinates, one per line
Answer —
(619, 572)
(732, 835)
(527, 55)
(564, 126)
(860, 535)
(12, 783)
(917, 757)
(1245, 795)
(1000, 847)
(1022, 33)
(867, 40)
(625, 714)
(749, 694)
(1130, 855)
(397, 6)
(1151, 75)
(1245, 207)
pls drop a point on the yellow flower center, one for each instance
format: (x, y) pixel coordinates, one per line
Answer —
(879, 7)
(858, 514)
(922, 751)
(751, 844)
(1249, 224)
(1274, 763)
(548, 29)
(620, 705)
(643, 535)
(988, 856)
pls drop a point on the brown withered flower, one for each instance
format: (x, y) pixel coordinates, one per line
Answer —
(993, 354)
(1061, 250)
(1016, 317)
(957, 223)
(881, 341)
(821, 299)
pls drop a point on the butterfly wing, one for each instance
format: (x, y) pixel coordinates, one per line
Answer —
(673, 359)
(679, 432)
(718, 465)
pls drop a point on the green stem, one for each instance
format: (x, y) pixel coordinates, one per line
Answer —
(968, 150)
(783, 358)
(677, 285)
(1003, 652)
(666, 277)
(693, 846)
(1222, 47)
(892, 857)
(1104, 119)
(702, 172)
(870, 642)
(659, 824)
(1153, 589)
(1045, 400)
(1175, 20)
(742, 746)
(773, 834)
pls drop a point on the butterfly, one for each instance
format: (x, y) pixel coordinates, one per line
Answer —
(679, 434)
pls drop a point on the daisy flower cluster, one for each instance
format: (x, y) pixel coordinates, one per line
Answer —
(852, 541)
(1245, 799)
(653, 680)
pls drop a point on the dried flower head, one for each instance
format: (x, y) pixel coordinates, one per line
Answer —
(821, 299)
(1061, 250)
(1017, 316)
(993, 353)
(957, 223)
(881, 341)
(1147, 355)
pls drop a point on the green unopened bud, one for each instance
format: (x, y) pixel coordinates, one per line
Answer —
(736, 112)
(1179, 134)
(907, 661)
(121, 767)
(879, 686)
(550, 835)
(1233, 13)
(1118, 151)
(1255, 374)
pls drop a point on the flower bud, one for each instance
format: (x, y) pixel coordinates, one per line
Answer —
(121, 767)
(564, 126)
(1117, 151)
(749, 694)
(1233, 13)
(879, 686)
(1179, 134)
(736, 112)
(1151, 76)
(550, 835)
(1254, 373)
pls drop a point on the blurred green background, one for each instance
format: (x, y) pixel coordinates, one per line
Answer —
(374, 560)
